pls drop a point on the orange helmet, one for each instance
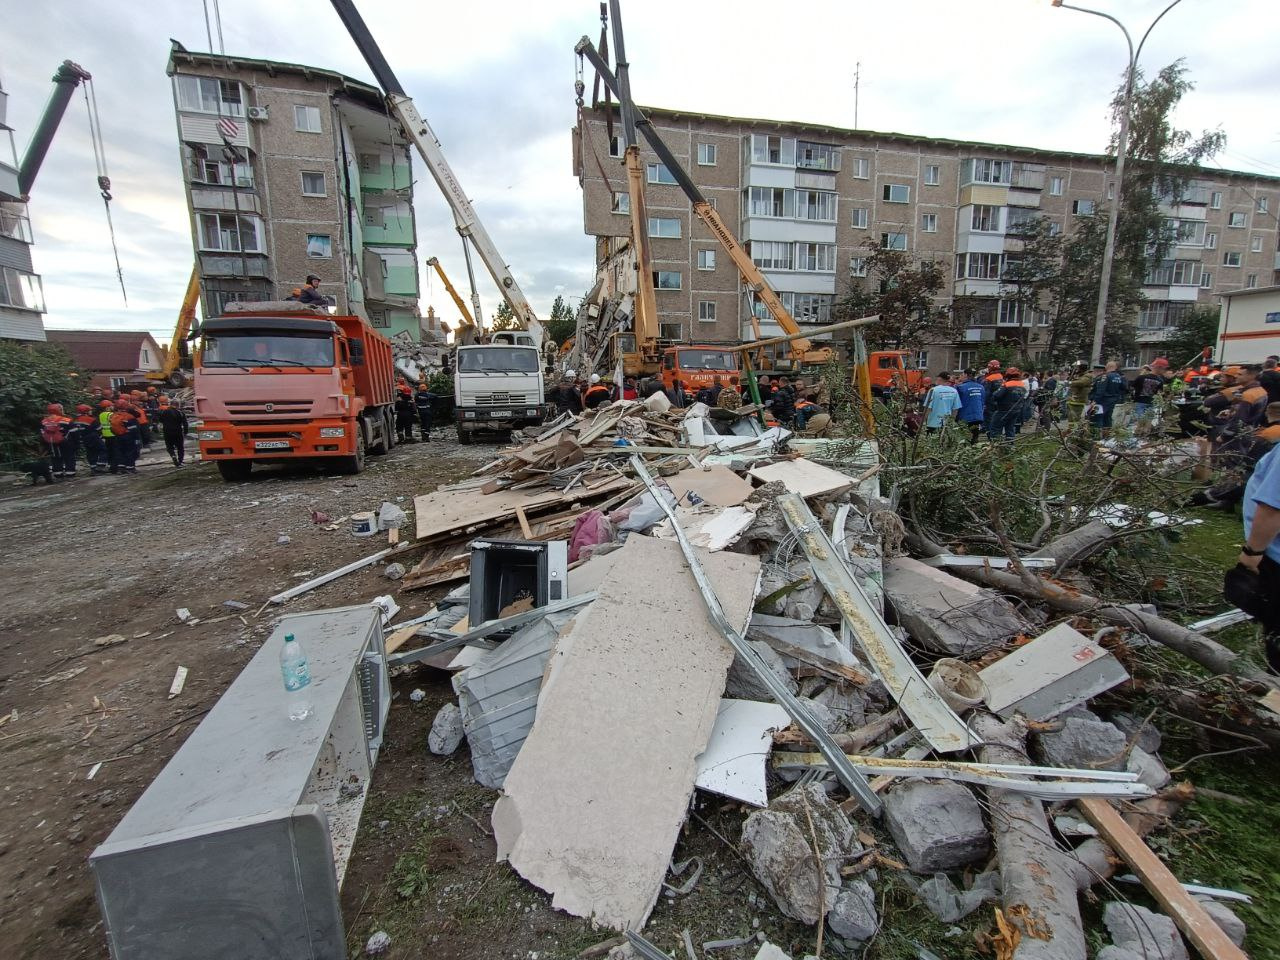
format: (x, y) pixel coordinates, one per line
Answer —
(993, 364)
(151, 389)
(104, 404)
(1014, 372)
(53, 408)
(122, 404)
(83, 408)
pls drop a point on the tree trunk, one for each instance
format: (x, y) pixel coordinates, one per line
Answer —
(1076, 544)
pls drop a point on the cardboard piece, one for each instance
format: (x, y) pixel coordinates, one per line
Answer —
(718, 485)
(593, 804)
(804, 477)
(733, 765)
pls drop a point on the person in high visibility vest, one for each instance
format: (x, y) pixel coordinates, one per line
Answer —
(110, 448)
(90, 435)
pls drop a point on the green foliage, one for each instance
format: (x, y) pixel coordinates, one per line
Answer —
(1195, 331)
(561, 325)
(441, 383)
(32, 376)
(903, 291)
(504, 318)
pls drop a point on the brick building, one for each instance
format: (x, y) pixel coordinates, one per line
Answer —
(324, 185)
(806, 198)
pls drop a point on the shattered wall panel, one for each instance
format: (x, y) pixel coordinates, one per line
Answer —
(593, 804)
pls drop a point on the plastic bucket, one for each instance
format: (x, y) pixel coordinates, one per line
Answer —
(958, 683)
(364, 524)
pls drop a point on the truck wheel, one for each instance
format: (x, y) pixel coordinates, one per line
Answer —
(235, 471)
(389, 425)
(464, 437)
(355, 463)
(383, 445)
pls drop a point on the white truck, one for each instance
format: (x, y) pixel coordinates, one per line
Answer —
(497, 387)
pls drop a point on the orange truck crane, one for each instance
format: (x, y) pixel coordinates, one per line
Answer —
(277, 382)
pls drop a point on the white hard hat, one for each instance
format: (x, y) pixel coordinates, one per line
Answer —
(595, 378)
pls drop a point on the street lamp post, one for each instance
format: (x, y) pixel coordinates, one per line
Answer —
(1122, 144)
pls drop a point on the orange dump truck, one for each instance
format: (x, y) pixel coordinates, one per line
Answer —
(277, 382)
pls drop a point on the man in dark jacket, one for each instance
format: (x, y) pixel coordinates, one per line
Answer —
(424, 400)
(311, 293)
(1108, 390)
(1145, 386)
(406, 413)
(973, 401)
(1269, 379)
(173, 424)
(1007, 403)
(566, 396)
(784, 401)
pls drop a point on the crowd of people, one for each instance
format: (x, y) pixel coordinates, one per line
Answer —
(414, 405)
(109, 432)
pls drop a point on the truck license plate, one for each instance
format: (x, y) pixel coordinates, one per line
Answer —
(271, 445)
(500, 413)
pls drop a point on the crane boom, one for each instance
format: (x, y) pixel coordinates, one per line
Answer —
(466, 333)
(751, 275)
(419, 131)
(69, 76)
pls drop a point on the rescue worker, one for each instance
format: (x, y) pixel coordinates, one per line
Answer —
(110, 447)
(58, 438)
(423, 402)
(1007, 404)
(139, 401)
(567, 398)
(973, 401)
(125, 428)
(710, 395)
(173, 424)
(1078, 392)
(311, 294)
(597, 393)
(1108, 390)
(730, 397)
(991, 381)
(90, 436)
(406, 412)
(784, 401)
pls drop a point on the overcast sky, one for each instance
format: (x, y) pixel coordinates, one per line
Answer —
(495, 80)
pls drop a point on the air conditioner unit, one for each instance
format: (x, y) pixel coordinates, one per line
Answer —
(256, 113)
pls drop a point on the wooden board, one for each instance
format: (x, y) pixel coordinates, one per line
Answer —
(446, 512)
(1184, 909)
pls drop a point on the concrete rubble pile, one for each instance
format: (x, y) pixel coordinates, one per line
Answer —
(736, 624)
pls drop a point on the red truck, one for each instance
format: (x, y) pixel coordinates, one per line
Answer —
(278, 382)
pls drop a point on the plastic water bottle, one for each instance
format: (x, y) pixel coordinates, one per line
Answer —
(297, 677)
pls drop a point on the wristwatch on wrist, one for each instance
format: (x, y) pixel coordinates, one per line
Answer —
(1248, 551)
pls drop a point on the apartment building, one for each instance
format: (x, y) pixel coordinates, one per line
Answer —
(21, 292)
(806, 199)
(293, 170)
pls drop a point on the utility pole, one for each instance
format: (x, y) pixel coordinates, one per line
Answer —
(1122, 144)
(857, 77)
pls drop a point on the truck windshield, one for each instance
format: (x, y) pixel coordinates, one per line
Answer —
(498, 360)
(708, 360)
(267, 350)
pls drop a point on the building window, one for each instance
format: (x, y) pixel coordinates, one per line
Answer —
(319, 246)
(932, 174)
(1055, 186)
(306, 119)
(21, 290)
(658, 173)
(966, 359)
(1083, 208)
(1111, 189)
(861, 168)
(1188, 233)
(816, 156)
(815, 205)
(1055, 228)
(858, 266)
(929, 222)
(1010, 314)
(772, 254)
(1256, 244)
(986, 218)
(988, 171)
(375, 217)
(896, 193)
(1211, 241)
(666, 279)
(1263, 204)
(206, 168)
(707, 158)
(978, 266)
(1251, 281)
(1206, 280)
(893, 241)
(816, 257)
(1231, 258)
(1215, 200)
(621, 203)
(1235, 219)
(706, 311)
(210, 95)
(664, 227)
(779, 150)
(218, 233)
(858, 218)
(812, 307)
(615, 146)
(312, 184)
(1176, 273)
(706, 259)
(672, 330)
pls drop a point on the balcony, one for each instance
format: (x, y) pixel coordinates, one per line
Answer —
(225, 199)
(14, 222)
(233, 265)
(1028, 176)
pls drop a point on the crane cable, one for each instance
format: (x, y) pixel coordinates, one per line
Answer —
(104, 181)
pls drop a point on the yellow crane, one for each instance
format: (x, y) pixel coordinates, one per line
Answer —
(169, 371)
(467, 332)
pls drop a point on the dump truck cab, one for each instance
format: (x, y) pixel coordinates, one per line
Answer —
(698, 365)
(894, 370)
(497, 386)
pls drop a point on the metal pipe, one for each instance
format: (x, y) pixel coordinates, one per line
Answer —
(68, 76)
(805, 334)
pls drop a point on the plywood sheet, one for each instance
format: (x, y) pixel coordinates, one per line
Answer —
(592, 807)
(804, 477)
(717, 485)
(446, 511)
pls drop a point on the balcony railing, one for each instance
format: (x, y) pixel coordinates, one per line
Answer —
(15, 225)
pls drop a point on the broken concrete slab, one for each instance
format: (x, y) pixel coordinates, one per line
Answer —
(1089, 744)
(804, 477)
(1149, 768)
(789, 636)
(1148, 934)
(733, 765)
(594, 801)
(778, 844)
(745, 684)
(948, 615)
(936, 824)
(1059, 669)
(854, 916)
(446, 731)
